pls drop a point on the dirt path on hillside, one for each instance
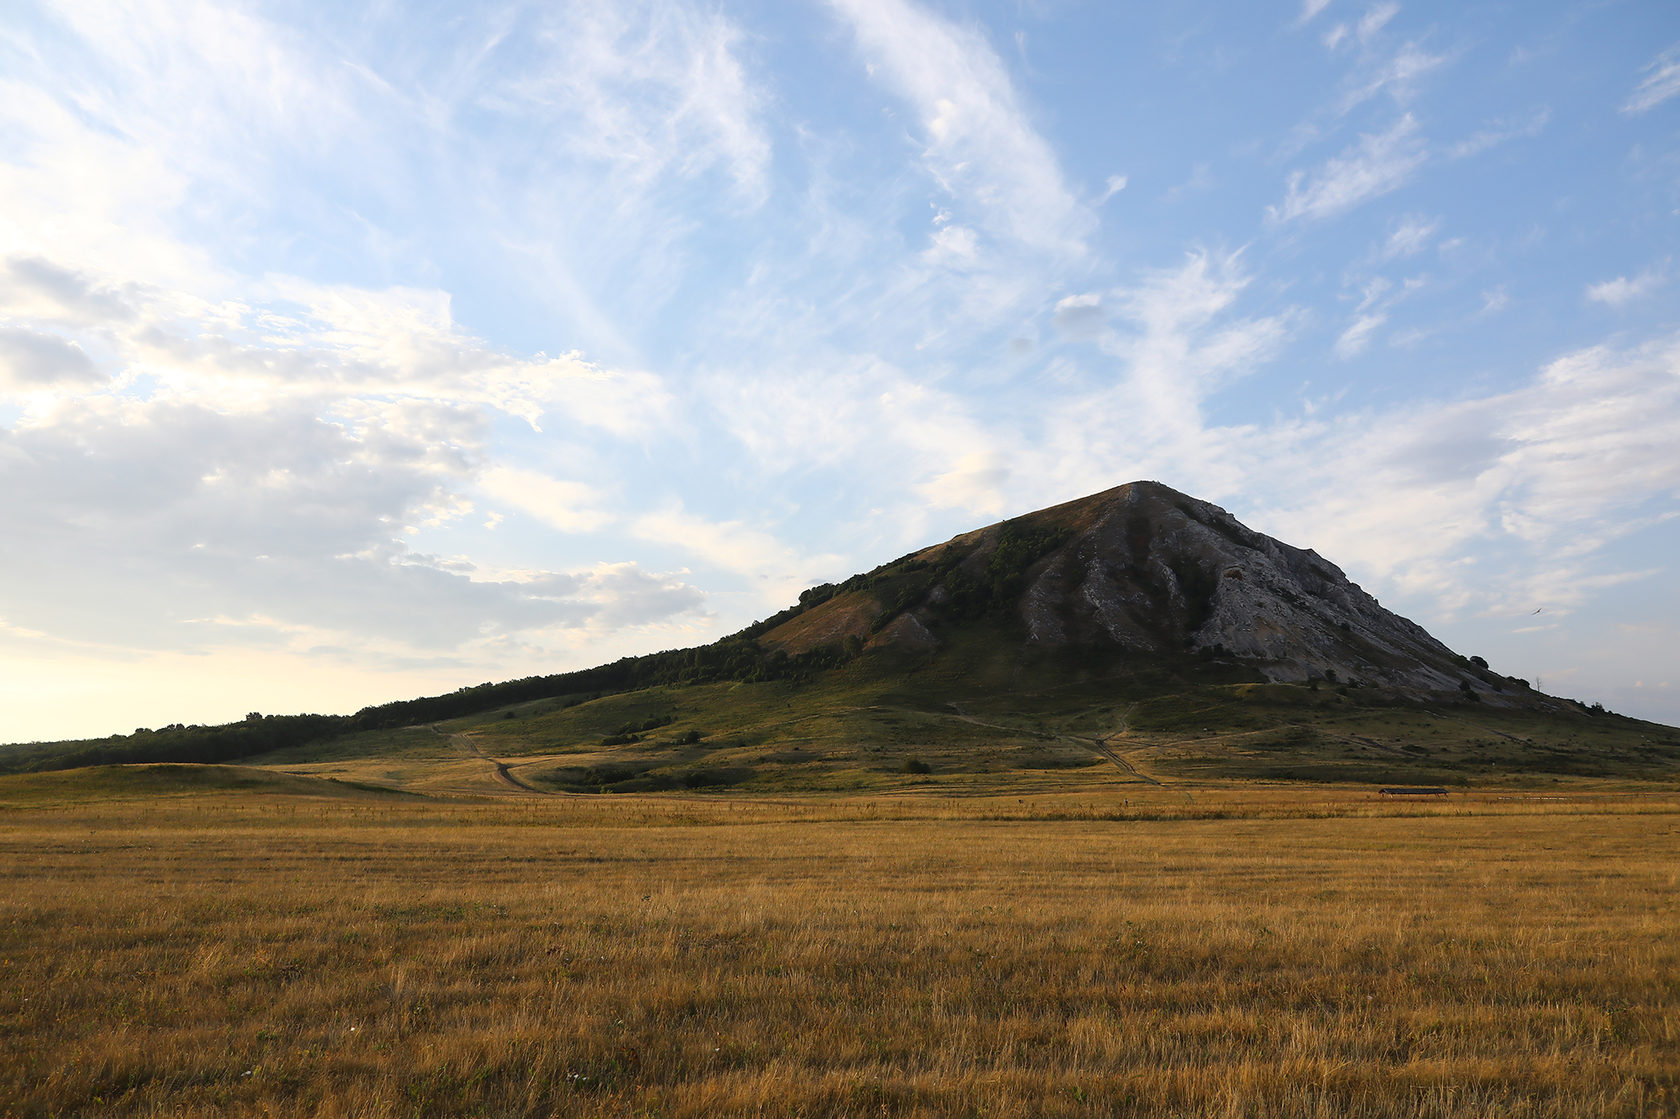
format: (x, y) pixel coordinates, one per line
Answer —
(1104, 746)
(1101, 745)
(1480, 727)
(1356, 739)
(503, 771)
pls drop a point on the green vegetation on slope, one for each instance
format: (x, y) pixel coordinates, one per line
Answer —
(972, 720)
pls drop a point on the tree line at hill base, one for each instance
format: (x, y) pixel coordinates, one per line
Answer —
(731, 659)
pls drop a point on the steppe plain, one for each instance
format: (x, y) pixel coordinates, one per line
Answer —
(439, 929)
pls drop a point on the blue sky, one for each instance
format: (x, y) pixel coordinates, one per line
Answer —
(356, 352)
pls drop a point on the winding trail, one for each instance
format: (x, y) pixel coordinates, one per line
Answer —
(503, 771)
(1102, 745)
(1478, 727)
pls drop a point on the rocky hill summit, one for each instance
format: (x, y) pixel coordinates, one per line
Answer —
(1139, 571)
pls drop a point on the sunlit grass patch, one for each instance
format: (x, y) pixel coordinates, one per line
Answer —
(1258, 951)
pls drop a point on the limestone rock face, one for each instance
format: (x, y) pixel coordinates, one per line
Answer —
(1153, 570)
(1141, 571)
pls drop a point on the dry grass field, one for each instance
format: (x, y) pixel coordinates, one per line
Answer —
(234, 947)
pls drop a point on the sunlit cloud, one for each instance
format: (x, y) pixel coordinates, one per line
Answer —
(1566, 456)
(771, 567)
(1357, 337)
(567, 506)
(1397, 76)
(1378, 164)
(650, 90)
(1661, 82)
(1410, 237)
(1311, 8)
(1375, 19)
(979, 145)
(1624, 289)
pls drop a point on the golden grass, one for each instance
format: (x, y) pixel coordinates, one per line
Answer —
(1246, 952)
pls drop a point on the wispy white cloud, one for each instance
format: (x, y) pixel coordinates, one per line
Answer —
(1374, 293)
(564, 505)
(858, 414)
(1499, 132)
(1377, 297)
(328, 342)
(1187, 346)
(1310, 9)
(1592, 438)
(952, 246)
(1375, 19)
(1625, 289)
(1558, 467)
(143, 526)
(979, 143)
(611, 596)
(1397, 76)
(1377, 164)
(157, 123)
(651, 89)
(774, 570)
(1200, 181)
(1080, 316)
(1411, 236)
(1661, 82)
(1357, 337)
(975, 482)
(1176, 339)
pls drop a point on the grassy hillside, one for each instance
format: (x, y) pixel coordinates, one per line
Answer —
(113, 783)
(974, 720)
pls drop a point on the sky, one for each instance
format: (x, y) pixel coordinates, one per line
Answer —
(355, 352)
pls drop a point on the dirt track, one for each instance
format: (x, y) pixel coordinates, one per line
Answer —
(503, 771)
